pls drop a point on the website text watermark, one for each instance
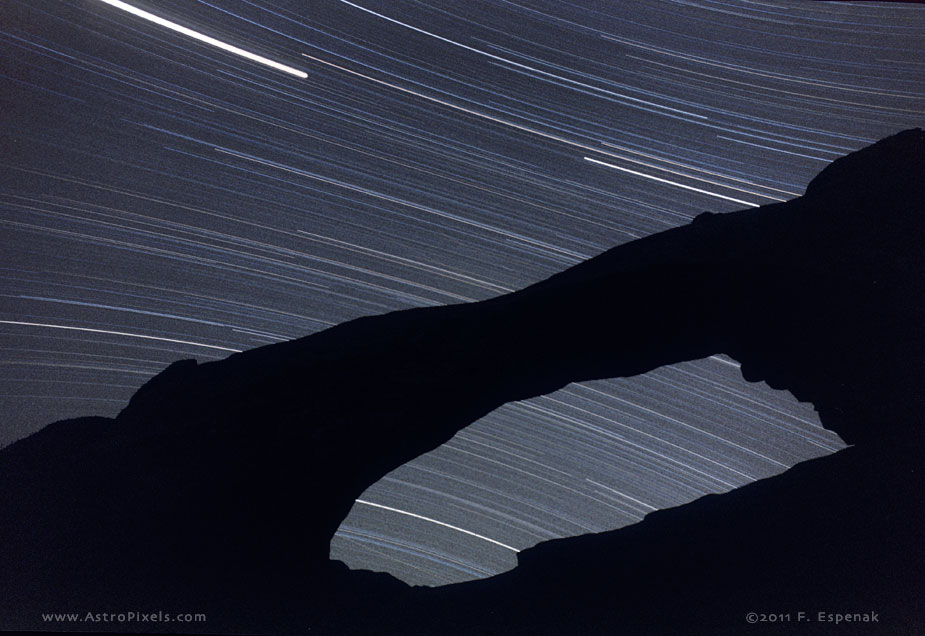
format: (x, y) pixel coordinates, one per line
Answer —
(123, 617)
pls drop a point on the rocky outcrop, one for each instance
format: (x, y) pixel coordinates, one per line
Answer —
(219, 486)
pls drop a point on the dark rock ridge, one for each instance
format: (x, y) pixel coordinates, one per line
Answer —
(218, 488)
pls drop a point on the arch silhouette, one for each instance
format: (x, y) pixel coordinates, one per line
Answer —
(220, 485)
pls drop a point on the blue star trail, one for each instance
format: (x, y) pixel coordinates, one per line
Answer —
(186, 179)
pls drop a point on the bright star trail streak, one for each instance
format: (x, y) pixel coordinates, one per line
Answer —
(117, 333)
(434, 521)
(167, 194)
(179, 28)
(672, 183)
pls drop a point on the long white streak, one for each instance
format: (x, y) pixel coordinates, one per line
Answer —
(118, 333)
(678, 185)
(173, 26)
(687, 166)
(439, 523)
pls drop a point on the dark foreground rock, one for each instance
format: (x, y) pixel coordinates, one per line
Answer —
(218, 488)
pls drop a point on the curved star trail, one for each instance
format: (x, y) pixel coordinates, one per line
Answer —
(184, 179)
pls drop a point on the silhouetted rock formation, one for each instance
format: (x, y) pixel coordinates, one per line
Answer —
(220, 486)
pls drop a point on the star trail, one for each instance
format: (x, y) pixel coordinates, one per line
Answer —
(173, 26)
(186, 179)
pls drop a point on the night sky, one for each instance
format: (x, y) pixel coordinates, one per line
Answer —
(200, 178)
